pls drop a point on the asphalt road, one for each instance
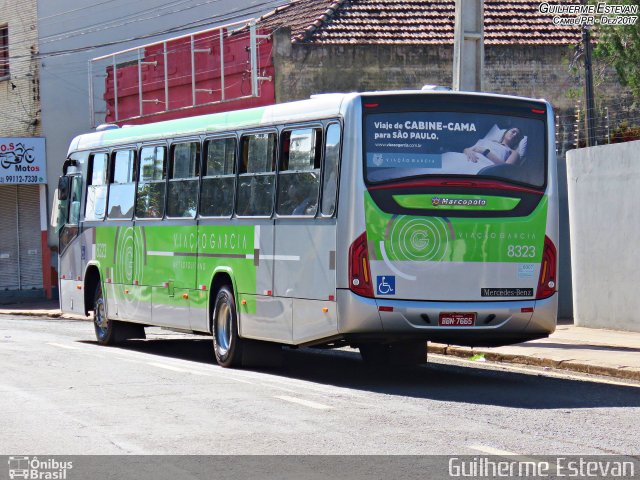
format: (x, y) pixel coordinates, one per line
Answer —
(61, 393)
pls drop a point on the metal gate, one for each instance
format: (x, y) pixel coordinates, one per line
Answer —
(20, 242)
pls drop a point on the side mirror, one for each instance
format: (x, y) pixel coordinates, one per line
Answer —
(63, 188)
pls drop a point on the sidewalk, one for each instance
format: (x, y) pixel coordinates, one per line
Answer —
(39, 308)
(597, 351)
(42, 308)
(612, 353)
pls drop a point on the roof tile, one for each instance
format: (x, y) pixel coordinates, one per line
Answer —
(507, 22)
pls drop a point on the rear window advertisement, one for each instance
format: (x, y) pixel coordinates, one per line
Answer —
(412, 144)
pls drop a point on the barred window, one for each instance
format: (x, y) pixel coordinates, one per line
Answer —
(122, 185)
(4, 51)
(299, 177)
(183, 180)
(218, 180)
(331, 169)
(151, 182)
(257, 174)
(97, 189)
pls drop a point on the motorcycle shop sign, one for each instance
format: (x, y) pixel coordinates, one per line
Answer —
(22, 160)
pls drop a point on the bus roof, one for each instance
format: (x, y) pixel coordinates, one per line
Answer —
(319, 106)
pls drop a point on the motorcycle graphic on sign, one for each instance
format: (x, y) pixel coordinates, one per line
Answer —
(17, 155)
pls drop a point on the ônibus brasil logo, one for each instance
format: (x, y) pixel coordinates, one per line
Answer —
(465, 202)
(35, 468)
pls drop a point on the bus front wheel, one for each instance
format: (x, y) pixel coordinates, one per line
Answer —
(227, 344)
(106, 330)
(110, 332)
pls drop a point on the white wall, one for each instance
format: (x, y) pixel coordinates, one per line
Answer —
(604, 215)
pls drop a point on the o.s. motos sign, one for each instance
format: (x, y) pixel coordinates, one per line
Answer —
(22, 160)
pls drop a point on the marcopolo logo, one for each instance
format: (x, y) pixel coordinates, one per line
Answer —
(37, 469)
(455, 202)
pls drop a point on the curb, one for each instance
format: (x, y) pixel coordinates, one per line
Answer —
(36, 313)
(463, 352)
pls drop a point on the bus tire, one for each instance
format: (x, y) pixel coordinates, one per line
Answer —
(106, 330)
(227, 344)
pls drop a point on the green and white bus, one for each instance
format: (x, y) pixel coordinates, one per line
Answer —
(378, 220)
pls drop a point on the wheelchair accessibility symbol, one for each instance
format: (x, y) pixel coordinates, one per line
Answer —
(386, 284)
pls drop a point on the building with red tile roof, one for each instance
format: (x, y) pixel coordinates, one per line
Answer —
(415, 22)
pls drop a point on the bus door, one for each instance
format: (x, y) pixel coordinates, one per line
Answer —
(224, 246)
(305, 236)
(169, 251)
(123, 259)
(66, 221)
(262, 316)
(181, 231)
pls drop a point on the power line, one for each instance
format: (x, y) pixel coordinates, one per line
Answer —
(132, 18)
(124, 20)
(74, 10)
(234, 15)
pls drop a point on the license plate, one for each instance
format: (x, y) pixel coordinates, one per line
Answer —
(454, 319)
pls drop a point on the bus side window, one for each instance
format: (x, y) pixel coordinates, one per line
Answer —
(122, 185)
(299, 175)
(218, 178)
(152, 174)
(331, 170)
(257, 174)
(97, 189)
(183, 180)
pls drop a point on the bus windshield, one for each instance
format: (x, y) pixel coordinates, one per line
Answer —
(412, 144)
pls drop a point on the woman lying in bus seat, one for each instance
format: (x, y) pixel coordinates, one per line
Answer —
(510, 149)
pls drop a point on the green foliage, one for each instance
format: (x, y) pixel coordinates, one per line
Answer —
(625, 133)
(619, 46)
(573, 93)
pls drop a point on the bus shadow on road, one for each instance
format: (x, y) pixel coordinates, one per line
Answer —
(472, 384)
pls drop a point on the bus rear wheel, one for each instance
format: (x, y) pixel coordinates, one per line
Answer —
(227, 344)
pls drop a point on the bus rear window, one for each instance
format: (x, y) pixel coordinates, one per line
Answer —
(415, 144)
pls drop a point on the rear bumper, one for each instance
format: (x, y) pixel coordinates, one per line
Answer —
(497, 323)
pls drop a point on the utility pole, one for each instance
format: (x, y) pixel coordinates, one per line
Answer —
(468, 46)
(588, 86)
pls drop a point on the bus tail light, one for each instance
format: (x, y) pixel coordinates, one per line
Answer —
(359, 271)
(548, 278)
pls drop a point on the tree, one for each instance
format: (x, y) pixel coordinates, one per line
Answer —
(619, 46)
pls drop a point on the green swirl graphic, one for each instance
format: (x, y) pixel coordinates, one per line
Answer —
(417, 239)
(129, 260)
